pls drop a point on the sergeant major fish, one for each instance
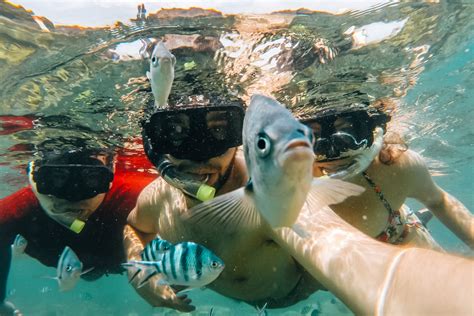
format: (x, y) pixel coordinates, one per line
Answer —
(69, 269)
(161, 74)
(19, 245)
(186, 264)
(279, 156)
(153, 251)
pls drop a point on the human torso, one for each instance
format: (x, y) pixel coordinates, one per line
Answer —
(367, 212)
(257, 269)
(380, 211)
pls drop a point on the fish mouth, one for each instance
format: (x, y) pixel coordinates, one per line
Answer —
(165, 60)
(297, 144)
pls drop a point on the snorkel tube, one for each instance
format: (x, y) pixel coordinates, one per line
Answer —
(363, 160)
(185, 182)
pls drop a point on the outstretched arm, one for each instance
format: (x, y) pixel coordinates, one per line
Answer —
(377, 278)
(142, 228)
(447, 208)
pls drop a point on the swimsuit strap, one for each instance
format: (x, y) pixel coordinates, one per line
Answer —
(394, 217)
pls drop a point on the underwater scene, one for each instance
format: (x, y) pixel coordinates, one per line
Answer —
(120, 121)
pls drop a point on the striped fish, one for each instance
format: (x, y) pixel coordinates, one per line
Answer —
(186, 264)
(153, 251)
(69, 269)
(19, 245)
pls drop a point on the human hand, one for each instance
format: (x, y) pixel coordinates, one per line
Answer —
(163, 296)
(8, 309)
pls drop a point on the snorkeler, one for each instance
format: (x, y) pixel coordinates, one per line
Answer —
(198, 143)
(390, 176)
(74, 199)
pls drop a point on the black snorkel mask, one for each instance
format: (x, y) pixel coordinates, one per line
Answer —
(344, 133)
(196, 133)
(74, 177)
(72, 182)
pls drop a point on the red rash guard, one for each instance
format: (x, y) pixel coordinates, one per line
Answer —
(99, 245)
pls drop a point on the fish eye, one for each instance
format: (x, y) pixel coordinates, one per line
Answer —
(154, 60)
(68, 268)
(263, 145)
(214, 264)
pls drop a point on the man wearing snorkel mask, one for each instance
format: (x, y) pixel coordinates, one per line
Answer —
(350, 144)
(74, 199)
(195, 149)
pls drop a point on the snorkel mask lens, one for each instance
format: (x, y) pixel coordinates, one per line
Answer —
(195, 133)
(341, 135)
(72, 182)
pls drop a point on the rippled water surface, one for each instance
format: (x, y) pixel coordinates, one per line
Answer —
(71, 84)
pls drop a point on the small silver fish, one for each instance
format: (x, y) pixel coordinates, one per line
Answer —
(186, 264)
(69, 269)
(279, 156)
(161, 74)
(19, 245)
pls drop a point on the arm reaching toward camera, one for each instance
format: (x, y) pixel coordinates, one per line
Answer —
(372, 277)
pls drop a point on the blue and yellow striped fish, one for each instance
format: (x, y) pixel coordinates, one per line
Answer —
(186, 264)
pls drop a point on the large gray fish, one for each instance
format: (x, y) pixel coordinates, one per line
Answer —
(186, 264)
(69, 269)
(161, 74)
(279, 156)
(19, 245)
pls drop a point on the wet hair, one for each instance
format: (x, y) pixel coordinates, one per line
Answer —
(393, 147)
(393, 144)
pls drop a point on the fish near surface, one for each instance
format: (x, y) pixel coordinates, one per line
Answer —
(186, 264)
(279, 155)
(161, 74)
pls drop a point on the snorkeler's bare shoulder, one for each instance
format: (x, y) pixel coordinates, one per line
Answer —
(155, 198)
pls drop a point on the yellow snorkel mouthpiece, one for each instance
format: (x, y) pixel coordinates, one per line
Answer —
(205, 193)
(77, 226)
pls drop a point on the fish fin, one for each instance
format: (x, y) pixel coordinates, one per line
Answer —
(232, 211)
(424, 215)
(326, 191)
(88, 270)
(139, 263)
(135, 275)
(147, 278)
(148, 75)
